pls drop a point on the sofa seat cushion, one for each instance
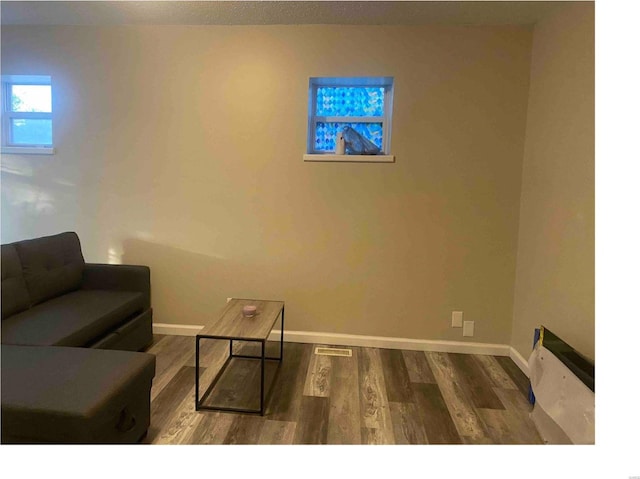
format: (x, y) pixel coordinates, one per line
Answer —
(75, 395)
(74, 319)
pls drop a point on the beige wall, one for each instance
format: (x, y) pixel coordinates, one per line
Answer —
(555, 273)
(181, 148)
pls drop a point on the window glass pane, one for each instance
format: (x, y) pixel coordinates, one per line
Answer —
(325, 134)
(31, 132)
(31, 98)
(350, 101)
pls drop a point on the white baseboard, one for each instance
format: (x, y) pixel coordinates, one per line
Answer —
(520, 361)
(336, 339)
(441, 346)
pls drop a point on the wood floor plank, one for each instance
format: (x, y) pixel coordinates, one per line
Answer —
(418, 367)
(477, 384)
(253, 348)
(250, 348)
(372, 436)
(212, 363)
(154, 340)
(168, 351)
(313, 421)
(212, 428)
(438, 424)
(479, 440)
(344, 403)
(374, 405)
(286, 398)
(494, 371)
(318, 379)
(462, 412)
(238, 386)
(497, 426)
(517, 376)
(407, 426)
(357, 408)
(211, 351)
(396, 376)
(245, 429)
(505, 427)
(277, 432)
(180, 430)
(514, 425)
(181, 425)
(164, 405)
(514, 399)
(171, 354)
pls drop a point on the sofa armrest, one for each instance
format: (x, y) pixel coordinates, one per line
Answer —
(120, 277)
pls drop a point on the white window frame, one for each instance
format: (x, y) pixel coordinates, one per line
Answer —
(313, 119)
(8, 116)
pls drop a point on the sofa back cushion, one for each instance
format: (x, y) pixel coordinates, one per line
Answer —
(15, 297)
(51, 265)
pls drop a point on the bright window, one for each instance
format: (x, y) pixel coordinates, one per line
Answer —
(26, 111)
(363, 103)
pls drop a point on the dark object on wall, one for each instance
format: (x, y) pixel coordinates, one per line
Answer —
(356, 144)
(578, 364)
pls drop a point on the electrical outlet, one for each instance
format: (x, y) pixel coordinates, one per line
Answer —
(456, 319)
(467, 329)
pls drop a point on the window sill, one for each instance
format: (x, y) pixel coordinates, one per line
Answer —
(351, 158)
(28, 150)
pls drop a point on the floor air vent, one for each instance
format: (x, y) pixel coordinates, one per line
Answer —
(333, 352)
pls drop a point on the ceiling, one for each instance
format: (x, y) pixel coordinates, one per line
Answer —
(124, 12)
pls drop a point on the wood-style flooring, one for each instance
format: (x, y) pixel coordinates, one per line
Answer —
(377, 396)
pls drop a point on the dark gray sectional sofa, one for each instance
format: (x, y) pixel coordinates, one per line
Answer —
(70, 332)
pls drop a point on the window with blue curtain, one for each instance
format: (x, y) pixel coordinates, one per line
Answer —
(363, 103)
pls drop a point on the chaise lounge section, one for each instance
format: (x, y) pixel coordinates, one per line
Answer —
(66, 395)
